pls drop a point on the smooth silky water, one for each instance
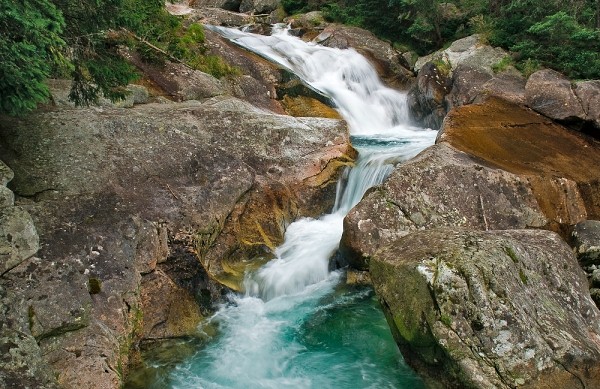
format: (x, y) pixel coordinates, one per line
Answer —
(298, 325)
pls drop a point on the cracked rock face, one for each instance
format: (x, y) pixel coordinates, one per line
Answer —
(496, 309)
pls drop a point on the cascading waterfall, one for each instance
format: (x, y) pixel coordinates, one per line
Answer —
(269, 338)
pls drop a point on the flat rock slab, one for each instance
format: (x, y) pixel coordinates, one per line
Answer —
(497, 309)
(521, 141)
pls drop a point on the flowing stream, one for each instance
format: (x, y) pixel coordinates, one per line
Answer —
(298, 326)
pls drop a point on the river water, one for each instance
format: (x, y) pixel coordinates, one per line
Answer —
(298, 325)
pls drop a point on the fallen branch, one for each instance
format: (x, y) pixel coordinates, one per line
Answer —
(155, 48)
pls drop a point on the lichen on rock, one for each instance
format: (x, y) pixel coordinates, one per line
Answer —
(469, 314)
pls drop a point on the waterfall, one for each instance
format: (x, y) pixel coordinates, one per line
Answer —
(263, 340)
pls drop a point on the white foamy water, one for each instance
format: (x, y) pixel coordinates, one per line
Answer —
(263, 341)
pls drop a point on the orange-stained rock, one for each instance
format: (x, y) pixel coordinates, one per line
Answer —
(303, 106)
(562, 166)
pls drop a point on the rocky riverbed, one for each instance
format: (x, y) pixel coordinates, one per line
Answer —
(123, 224)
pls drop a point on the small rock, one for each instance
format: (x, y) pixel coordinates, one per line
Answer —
(18, 237)
(139, 93)
(6, 174)
(586, 242)
(7, 197)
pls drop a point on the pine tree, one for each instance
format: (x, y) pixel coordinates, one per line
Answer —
(30, 48)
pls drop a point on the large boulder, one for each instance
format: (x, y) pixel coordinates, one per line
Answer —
(474, 85)
(21, 360)
(576, 104)
(496, 166)
(427, 97)
(441, 187)
(18, 236)
(229, 5)
(465, 73)
(177, 81)
(586, 242)
(469, 51)
(474, 308)
(551, 94)
(220, 17)
(588, 93)
(496, 309)
(104, 185)
(259, 6)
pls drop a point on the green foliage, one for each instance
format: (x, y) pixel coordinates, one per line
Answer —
(295, 6)
(100, 70)
(501, 65)
(528, 67)
(552, 33)
(443, 66)
(482, 25)
(30, 46)
(560, 40)
(83, 40)
(216, 67)
(189, 47)
(190, 44)
(447, 320)
(94, 40)
(512, 254)
(557, 34)
(523, 277)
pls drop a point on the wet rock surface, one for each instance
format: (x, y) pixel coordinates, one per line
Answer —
(497, 309)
